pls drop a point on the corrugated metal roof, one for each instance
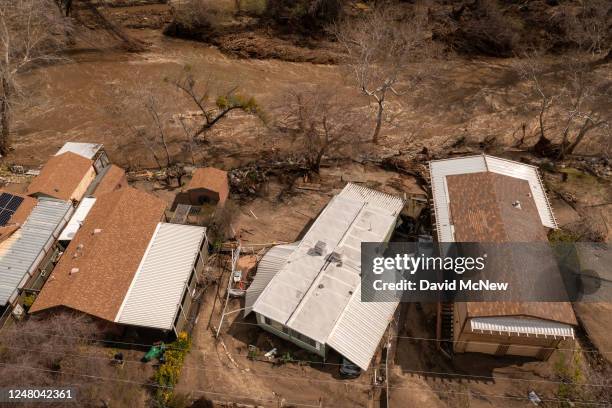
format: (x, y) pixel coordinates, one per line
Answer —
(521, 326)
(77, 219)
(439, 169)
(20, 253)
(87, 150)
(311, 295)
(272, 261)
(358, 331)
(159, 283)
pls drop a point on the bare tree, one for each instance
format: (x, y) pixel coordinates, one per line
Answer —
(576, 93)
(586, 99)
(378, 49)
(58, 350)
(532, 69)
(31, 34)
(213, 110)
(162, 129)
(320, 123)
(588, 27)
(140, 116)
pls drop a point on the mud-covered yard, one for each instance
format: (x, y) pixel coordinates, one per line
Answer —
(479, 105)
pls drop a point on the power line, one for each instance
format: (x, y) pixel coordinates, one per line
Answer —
(592, 403)
(188, 367)
(150, 384)
(502, 378)
(478, 342)
(327, 363)
(191, 367)
(255, 324)
(477, 394)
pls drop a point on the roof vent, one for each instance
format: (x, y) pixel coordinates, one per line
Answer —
(321, 286)
(517, 204)
(335, 257)
(319, 248)
(74, 270)
(79, 251)
(97, 231)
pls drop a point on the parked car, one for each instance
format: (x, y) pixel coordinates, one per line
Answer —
(348, 369)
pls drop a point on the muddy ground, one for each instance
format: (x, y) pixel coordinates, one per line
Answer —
(479, 99)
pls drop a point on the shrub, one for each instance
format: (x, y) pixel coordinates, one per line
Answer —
(28, 301)
(168, 373)
(304, 14)
(196, 19)
(488, 31)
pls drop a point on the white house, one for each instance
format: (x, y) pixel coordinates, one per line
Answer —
(309, 292)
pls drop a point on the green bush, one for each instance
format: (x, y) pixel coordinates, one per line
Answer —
(168, 373)
(28, 301)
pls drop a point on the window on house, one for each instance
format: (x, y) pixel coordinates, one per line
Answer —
(276, 325)
(303, 339)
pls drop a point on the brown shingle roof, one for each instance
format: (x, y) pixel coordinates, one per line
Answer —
(481, 210)
(212, 179)
(114, 179)
(106, 260)
(60, 176)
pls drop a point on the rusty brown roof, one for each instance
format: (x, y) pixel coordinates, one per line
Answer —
(60, 176)
(483, 208)
(107, 259)
(114, 179)
(212, 179)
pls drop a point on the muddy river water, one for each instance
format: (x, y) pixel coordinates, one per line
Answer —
(71, 98)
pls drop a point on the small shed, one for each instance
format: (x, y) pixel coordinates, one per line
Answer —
(208, 185)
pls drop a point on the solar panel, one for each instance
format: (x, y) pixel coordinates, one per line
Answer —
(4, 199)
(5, 216)
(14, 204)
(9, 203)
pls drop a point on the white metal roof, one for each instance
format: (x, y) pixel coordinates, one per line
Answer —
(312, 295)
(439, 169)
(359, 329)
(521, 326)
(87, 150)
(21, 253)
(157, 289)
(77, 219)
(269, 265)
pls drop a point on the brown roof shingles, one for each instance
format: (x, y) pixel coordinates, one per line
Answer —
(481, 210)
(60, 176)
(113, 179)
(212, 179)
(107, 259)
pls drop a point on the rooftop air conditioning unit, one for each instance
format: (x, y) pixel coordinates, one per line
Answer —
(319, 248)
(335, 257)
(18, 312)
